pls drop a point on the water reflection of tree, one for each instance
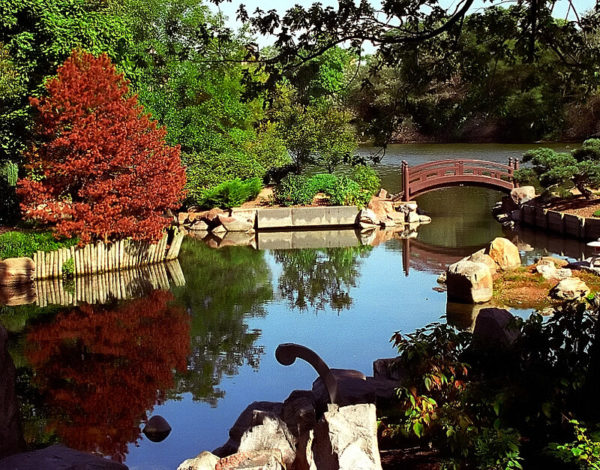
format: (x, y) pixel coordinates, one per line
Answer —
(101, 368)
(223, 288)
(319, 278)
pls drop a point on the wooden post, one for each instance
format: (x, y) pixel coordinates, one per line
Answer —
(405, 181)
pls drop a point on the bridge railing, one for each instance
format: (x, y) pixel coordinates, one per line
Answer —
(420, 178)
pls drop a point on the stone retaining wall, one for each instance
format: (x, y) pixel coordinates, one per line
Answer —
(561, 223)
(295, 217)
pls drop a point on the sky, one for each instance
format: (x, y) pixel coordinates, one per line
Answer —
(230, 8)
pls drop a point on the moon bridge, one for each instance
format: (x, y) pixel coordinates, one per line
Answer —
(430, 176)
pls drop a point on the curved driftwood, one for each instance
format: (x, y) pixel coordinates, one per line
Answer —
(287, 353)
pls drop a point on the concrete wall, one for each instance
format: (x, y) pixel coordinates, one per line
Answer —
(296, 217)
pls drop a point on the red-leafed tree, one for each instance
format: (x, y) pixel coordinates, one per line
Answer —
(101, 168)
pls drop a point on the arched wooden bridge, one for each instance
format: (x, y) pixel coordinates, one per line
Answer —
(427, 177)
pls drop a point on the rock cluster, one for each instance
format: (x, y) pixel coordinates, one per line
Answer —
(507, 211)
(383, 211)
(218, 221)
(470, 279)
(305, 432)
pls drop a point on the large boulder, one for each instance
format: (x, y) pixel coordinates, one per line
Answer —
(367, 218)
(299, 412)
(58, 458)
(481, 257)
(504, 253)
(16, 271)
(251, 416)
(346, 439)
(570, 289)
(523, 194)
(385, 211)
(272, 433)
(11, 437)
(203, 461)
(469, 282)
(236, 223)
(494, 329)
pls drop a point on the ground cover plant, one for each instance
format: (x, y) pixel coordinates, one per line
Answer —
(18, 244)
(100, 168)
(502, 405)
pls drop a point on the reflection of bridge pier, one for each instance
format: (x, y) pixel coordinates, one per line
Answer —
(424, 257)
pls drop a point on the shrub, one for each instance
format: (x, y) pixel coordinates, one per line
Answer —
(323, 183)
(584, 452)
(349, 193)
(231, 193)
(17, 244)
(367, 178)
(294, 189)
(102, 169)
(68, 268)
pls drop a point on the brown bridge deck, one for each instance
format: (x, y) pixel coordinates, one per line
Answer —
(427, 177)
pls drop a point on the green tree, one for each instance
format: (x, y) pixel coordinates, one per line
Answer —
(580, 167)
(190, 75)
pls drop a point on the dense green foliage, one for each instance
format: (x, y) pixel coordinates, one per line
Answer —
(17, 244)
(230, 193)
(497, 405)
(191, 82)
(581, 167)
(342, 190)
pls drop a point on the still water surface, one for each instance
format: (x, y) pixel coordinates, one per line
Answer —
(200, 353)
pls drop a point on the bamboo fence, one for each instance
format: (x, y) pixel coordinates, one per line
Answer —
(101, 258)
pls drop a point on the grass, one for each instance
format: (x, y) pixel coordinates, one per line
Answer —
(18, 244)
(524, 287)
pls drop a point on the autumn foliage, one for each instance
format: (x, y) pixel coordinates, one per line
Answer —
(101, 168)
(102, 368)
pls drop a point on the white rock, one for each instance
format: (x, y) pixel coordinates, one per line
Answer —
(469, 282)
(346, 439)
(203, 461)
(570, 289)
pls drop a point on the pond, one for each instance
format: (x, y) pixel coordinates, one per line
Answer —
(198, 354)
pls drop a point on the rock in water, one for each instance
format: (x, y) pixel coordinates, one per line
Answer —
(157, 429)
(570, 289)
(469, 282)
(504, 253)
